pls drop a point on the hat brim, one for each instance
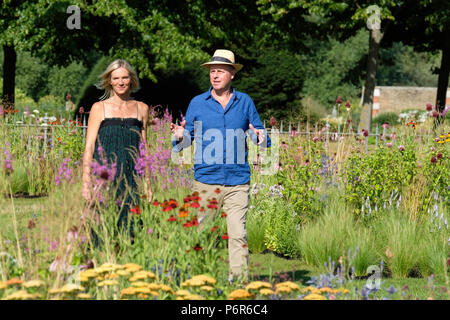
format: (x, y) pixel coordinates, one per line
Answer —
(236, 66)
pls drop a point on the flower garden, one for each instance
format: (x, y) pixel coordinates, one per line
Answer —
(367, 225)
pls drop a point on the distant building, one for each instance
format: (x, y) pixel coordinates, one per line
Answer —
(396, 99)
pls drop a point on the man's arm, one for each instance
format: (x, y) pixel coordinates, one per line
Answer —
(256, 123)
(188, 134)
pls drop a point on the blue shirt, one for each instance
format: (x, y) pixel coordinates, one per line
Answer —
(220, 136)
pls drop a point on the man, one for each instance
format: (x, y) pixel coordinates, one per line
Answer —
(221, 117)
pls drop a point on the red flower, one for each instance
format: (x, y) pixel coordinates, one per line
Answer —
(272, 122)
(31, 224)
(429, 107)
(365, 133)
(224, 215)
(201, 209)
(167, 209)
(194, 221)
(339, 100)
(217, 191)
(195, 204)
(347, 104)
(187, 199)
(135, 210)
(439, 155)
(172, 218)
(433, 160)
(225, 236)
(197, 247)
(214, 228)
(156, 203)
(212, 206)
(188, 224)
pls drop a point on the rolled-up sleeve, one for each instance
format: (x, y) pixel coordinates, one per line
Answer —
(188, 131)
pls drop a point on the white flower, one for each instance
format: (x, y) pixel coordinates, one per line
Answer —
(52, 119)
(36, 111)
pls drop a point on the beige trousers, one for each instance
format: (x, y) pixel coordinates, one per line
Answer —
(234, 201)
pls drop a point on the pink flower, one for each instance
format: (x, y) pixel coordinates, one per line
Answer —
(385, 125)
(401, 148)
(389, 145)
(339, 100)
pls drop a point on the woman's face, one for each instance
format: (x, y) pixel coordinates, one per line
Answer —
(120, 81)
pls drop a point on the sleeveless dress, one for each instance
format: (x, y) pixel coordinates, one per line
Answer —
(119, 138)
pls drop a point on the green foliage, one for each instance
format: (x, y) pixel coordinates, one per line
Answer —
(335, 68)
(64, 80)
(277, 222)
(32, 75)
(301, 182)
(273, 82)
(400, 65)
(51, 104)
(389, 117)
(371, 179)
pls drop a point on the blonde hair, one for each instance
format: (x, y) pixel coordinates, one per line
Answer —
(105, 78)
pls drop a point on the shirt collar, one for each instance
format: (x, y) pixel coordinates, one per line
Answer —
(236, 96)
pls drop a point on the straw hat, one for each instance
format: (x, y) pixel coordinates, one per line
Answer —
(222, 56)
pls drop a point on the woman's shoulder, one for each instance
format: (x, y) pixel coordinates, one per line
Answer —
(142, 105)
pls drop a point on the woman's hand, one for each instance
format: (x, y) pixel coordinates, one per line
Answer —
(86, 192)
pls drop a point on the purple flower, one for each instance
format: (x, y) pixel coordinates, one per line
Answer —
(385, 125)
(150, 231)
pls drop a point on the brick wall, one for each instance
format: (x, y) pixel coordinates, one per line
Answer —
(396, 99)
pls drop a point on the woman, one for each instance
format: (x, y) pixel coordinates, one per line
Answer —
(116, 126)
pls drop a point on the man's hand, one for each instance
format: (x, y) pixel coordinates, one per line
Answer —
(178, 131)
(259, 133)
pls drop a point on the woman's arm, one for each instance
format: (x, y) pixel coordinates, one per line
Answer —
(95, 118)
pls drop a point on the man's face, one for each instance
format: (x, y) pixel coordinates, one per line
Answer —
(221, 76)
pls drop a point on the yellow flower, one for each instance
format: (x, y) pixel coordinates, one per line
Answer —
(142, 296)
(108, 283)
(441, 141)
(71, 287)
(182, 293)
(142, 275)
(132, 267)
(154, 293)
(34, 284)
(143, 290)
(20, 295)
(128, 292)
(289, 284)
(326, 290)
(153, 286)
(111, 276)
(205, 279)
(193, 282)
(179, 298)
(166, 288)
(447, 140)
(89, 273)
(123, 272)
(193, 297)
(283, 289)
(442, 136)
(311, 289)
(314, 296)
(257, 285)
(239, 294)
(140, 284)
(82, 279)
(206, 288)
(84, 296)
(266, 292)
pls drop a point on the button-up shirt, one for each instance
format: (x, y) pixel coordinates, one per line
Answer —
(220, 136)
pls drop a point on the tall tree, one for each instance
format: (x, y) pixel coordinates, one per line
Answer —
(426, 27)
(9, 11)
(342, 19)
